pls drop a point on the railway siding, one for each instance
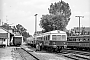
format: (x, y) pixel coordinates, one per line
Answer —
(75, 55)
(82, 56)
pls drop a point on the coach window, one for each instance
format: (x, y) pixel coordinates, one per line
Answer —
(41, 38)
(79, 39)
(70, 39)
(84, 39)
(38, 38)
(74, 39)
(88, 39)
(47, 37)
(44, 37)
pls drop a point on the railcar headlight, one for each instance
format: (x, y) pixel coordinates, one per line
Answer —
(54, 43)
(55, 46)
(65, 46)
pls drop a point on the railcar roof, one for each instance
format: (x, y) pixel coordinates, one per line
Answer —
(52, 32)
(56, 32)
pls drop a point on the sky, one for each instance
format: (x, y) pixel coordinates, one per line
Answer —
(23, 11)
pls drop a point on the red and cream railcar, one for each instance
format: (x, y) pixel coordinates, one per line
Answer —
(53, 40)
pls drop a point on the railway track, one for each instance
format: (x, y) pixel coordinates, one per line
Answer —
(75, 55)
(26, 55)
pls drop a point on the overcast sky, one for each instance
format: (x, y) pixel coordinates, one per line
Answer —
(23, 11)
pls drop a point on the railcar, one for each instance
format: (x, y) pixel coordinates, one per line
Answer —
(53, 40)
(17, 40)
(30, 41)
(79, 42)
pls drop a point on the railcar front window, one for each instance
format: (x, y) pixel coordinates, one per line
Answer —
(63, 37)
(58, 37)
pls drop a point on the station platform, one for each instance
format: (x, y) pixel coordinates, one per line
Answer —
(8, 53)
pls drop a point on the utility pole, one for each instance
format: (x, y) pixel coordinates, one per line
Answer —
(79, 22)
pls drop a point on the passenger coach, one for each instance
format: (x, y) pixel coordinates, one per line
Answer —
(79, 42)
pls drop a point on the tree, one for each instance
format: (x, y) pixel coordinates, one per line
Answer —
(58, 18)
(22, 31)
(45, 22)
(20, 28)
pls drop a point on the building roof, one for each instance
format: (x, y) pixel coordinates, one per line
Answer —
(6, 30)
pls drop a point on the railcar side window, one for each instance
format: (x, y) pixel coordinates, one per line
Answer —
(44, 37)
(53, 37)
(48, 37)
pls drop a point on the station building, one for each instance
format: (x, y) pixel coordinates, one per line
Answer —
(5, 36)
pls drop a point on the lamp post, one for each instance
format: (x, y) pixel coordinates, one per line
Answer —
(35, 25)
(35, 22)
(79, 22)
